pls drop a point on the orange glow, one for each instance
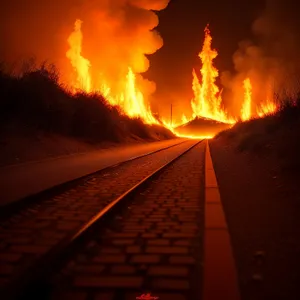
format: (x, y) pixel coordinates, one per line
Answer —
(184, 119)
(207, 97)
(246, 108)
(79, 63)
(196, 137)
(129, 92)
(131, 101)
(266, 108)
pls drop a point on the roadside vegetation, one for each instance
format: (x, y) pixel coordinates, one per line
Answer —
(36, 100)
(275, 136)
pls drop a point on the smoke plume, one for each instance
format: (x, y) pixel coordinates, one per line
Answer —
(116, 35)
(271, 59)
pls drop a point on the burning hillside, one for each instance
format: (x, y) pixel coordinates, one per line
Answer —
(207, 96)
(128, 96)
(201, 127)
(107, 51)
(209, 115)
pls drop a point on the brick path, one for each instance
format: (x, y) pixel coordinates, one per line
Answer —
(31, 233)
(155, 246)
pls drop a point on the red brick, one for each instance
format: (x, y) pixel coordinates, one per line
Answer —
(133, 249)
(110, 250)
(122, 235)
(157, 216)
(189, 230)
(168, 223)
(123, 269)
(159, 242)
(137, 226)
(182, 260)
(168, 271)
(188, 225)
(182, 243)
(167, 296)
(123, 242)
(104, 296)
(167, 250)
(179, 235)
(145, 259)
(110, 258)
(71, 295)
(154, 220)
(170, 284)
(109, 281)
(187, 218)
(92, 269)
(162, 227)
(137, 229)
(149, 235)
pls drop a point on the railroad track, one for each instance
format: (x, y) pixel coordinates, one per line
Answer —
(10, 209)
(24, 249)
(158, 239)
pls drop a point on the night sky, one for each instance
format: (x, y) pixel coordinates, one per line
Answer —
(182, 28)
(41, 28)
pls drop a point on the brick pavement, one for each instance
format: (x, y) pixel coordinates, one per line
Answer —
(32, 232)
(154, 246)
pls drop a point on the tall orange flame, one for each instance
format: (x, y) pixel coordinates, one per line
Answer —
(266, 108)
(207, 97)
(79, 63)
(269, 106)
(131, 101)
(246, 108)
(126, 93)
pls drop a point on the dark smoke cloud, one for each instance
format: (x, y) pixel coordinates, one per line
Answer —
(116, 33)
(272, 57)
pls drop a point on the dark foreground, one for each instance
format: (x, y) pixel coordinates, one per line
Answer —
(262, 207)
(158, 242)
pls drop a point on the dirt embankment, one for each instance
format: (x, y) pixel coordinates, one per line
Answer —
(20, 143)
(257, 164)
(275, 139)
(39, 118)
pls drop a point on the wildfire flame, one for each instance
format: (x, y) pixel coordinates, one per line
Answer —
(79, 63)
(207, 97)
(266, 108)
(263, 109)
(131, 100)
(246, 108)
(129, 97)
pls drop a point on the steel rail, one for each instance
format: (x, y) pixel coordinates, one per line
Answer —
(7, 210)
(29, 284)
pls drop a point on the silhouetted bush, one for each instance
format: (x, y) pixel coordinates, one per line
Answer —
(36, 98)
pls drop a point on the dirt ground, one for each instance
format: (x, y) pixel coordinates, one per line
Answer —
(262, 207)
(19, 144)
